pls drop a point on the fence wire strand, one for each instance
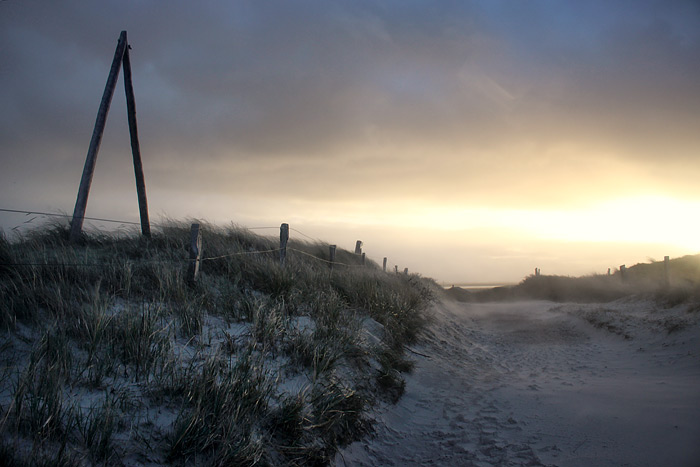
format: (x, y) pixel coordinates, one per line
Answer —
(240, 253)
(173, 261)
(51, 214)
(302, 233)
(325, 260)
(117, 221)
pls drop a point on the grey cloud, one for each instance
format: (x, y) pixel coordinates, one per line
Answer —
(229, 83)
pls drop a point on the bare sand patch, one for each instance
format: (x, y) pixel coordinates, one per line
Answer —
(540, 383)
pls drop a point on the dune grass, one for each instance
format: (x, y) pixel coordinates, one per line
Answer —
(645, 279)
(107, 356)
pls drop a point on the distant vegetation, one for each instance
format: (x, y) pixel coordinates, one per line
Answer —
(108, 357)
(641, 279)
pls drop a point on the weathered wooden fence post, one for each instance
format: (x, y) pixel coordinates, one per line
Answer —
(358, 247)
(284, 237)
(537, 272)
(363, 258)
(623, 271)
(396, 268)
(667, 271)
(405, 271)
(384, 265)
(76, 225)
(331, 249)
(135, 148)
(608, 271)
(195, 254)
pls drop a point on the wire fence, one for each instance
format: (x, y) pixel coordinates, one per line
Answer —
(174, 261)
(54, 214)
(118, 221)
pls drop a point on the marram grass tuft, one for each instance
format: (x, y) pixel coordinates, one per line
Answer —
(109, 357)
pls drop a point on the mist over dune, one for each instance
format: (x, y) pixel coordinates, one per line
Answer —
(672, 281)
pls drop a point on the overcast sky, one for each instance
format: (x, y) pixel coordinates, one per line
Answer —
(466, 140)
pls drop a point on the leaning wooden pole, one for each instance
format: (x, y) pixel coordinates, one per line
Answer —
(135, 148)
(89, 169)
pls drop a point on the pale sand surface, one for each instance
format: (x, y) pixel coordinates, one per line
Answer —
(539, 383)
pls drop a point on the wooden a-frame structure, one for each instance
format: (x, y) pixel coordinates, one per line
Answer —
(121, 58)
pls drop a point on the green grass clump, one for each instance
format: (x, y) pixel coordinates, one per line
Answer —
(109, 357)
(222, 407)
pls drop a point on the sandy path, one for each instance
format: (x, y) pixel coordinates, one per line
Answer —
(538, 383)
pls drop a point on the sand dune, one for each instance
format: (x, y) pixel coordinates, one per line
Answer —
(539, 383)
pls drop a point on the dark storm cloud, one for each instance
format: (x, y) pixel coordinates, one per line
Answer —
(317, 80)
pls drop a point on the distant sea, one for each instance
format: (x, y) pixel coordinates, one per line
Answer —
(467, 286)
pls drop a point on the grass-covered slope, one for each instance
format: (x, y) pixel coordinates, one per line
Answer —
(108, 356)
(682, 283)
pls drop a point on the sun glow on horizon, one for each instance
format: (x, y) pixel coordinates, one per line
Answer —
(641, 219)
(636, 219)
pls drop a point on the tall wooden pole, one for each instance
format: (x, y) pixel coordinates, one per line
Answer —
(135, 148)
(81, 203)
